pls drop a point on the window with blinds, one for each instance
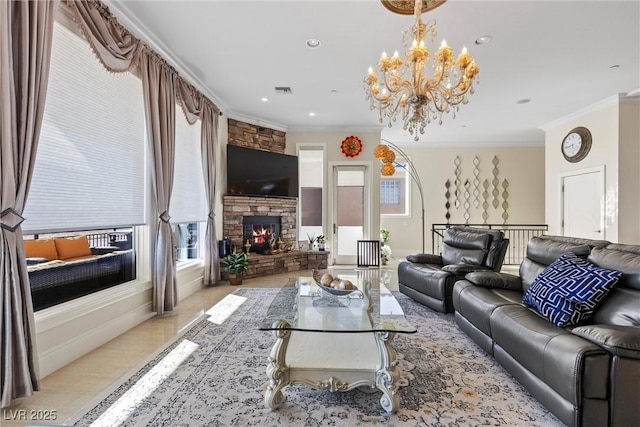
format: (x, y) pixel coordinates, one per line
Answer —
(188, 203)
(90, 168)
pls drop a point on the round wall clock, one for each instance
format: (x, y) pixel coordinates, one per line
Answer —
(576, 145)
(351, 146)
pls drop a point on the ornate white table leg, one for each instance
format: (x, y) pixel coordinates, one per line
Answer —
(277, 371)
(387, 374)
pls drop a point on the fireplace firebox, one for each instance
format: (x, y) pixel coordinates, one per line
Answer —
(260, 232)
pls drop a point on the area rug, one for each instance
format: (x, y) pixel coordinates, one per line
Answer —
(215, 373)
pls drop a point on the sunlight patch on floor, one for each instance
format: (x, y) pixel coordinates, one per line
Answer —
(128, 402)
(225, 308)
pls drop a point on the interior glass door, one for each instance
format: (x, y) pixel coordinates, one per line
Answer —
(349, 212)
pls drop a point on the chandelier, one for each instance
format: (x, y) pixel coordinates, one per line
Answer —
(422, 87)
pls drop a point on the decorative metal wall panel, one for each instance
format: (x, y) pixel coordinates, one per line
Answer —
(476, 182)
(485, 201)
(505, 204)
(496, 191)
(456, 183)
(467, 215)
(447, 205)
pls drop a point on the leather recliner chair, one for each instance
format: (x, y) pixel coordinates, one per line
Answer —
(429, 278)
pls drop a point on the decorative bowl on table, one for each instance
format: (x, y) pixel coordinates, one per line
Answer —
(333, 284)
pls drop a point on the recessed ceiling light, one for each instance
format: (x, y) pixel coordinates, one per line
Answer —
(484, 39)
(264, 99)
(615, 66)
(523, 101)
(313, 43)
(312, 114)
(334, 91)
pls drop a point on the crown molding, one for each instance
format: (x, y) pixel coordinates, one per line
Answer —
(600, 105)
(467, 144)
(133, 24)
(350, 129)
(256, 121)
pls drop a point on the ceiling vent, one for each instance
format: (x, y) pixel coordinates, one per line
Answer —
(283, 90)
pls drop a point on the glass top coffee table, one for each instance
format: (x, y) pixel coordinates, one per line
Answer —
(335, 341)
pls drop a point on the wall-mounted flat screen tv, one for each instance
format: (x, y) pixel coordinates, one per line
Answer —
(253, 172)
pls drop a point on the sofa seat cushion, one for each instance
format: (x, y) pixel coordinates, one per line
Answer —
(36, 261)
(476, 303)
(427, 279)
(569, 289)
(572, 366)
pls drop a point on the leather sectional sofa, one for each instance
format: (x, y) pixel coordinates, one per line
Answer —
(587, 374)
(429, 278)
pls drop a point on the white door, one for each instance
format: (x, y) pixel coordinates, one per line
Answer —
(583, 204)
(350, 211)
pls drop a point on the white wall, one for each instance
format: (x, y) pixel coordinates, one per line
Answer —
(613, 123)
(522, 167)
(629, 172)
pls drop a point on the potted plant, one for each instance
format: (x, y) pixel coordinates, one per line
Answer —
(312, 239)
(321, 242)
(236, 265)
(385, 249)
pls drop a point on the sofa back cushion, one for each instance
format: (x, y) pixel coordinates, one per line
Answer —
(622, 306)
(41, 248)
(464, 247)
(73, 247)
(543, 250)
(497, 246)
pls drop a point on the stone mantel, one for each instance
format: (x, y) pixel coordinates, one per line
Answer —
(235, 207)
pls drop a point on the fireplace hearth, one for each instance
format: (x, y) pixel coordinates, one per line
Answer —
(260, 232)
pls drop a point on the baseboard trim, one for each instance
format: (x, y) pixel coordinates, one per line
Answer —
(63, 354)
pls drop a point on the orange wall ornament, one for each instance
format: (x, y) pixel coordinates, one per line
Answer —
(351, 146)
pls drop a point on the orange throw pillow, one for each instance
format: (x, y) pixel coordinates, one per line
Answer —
(45, 248)
(73, 247)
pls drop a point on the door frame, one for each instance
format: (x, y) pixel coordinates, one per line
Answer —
(368, 220)
(596, 169)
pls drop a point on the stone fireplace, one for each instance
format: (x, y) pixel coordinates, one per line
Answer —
(260, 231)
(239, 210)
(236, 209)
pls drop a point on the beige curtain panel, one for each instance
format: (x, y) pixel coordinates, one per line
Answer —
(26, 30)
(195, 105)
(159, 83)
(208, 144)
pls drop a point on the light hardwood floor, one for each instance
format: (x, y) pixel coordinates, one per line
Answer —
(71, 389)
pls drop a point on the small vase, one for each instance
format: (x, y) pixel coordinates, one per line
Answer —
(321, 246)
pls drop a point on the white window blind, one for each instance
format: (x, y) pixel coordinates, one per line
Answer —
(90, 165)
(188, 203)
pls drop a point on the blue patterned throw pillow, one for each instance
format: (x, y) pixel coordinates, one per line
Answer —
(569, 289)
